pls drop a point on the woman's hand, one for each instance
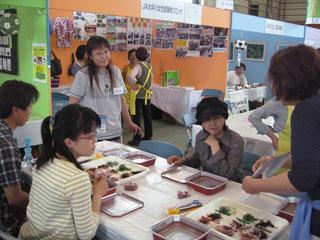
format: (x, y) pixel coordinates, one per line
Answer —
(135, 87)
(261, 161)
(100, 186)
(134, 128)
(274, 139)
(175, 160)
(249, 185)
(213, 142)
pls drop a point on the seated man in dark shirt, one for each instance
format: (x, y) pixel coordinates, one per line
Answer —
(16, 99)
(295, 76)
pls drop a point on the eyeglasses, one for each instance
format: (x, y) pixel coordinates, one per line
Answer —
(92, 138)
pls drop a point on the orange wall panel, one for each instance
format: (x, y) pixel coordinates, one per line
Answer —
(117, 7)
(198, 72)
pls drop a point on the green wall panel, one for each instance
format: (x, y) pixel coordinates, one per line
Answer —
(32, 30)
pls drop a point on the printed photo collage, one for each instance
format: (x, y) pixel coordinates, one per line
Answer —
(5, 54)
(126, 33)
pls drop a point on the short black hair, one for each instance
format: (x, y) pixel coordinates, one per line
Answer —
(18, 94)
(81, 52)
(133, 50)
(142, 54)
(241, 65)
(210, 107)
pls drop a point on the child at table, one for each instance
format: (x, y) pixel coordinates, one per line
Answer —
(60, 205)
(218, 149)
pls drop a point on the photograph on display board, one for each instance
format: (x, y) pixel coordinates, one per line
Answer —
(255, 52)
(165, 34)
(181, 48)
(206, 41)
(220, 39)
(139, 32)
(85, 25)
(101, 25)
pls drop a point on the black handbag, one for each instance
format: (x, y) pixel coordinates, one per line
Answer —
(56, 68)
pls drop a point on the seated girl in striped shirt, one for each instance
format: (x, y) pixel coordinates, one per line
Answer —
(60, 205)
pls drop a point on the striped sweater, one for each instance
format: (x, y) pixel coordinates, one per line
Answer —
(60, 204)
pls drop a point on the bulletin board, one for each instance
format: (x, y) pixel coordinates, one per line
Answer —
(9, 50)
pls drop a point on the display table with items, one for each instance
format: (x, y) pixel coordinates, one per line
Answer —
(255, 143)
(254, 92)
(175, 101)
(140, 205)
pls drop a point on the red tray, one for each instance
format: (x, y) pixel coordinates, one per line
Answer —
(179, 227)
(141, 158)
(287, 212)
(206, 183)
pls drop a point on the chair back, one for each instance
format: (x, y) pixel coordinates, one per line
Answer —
(189, 118)
(160, 148)
(248, 159)
(211, 93)
(59, 101)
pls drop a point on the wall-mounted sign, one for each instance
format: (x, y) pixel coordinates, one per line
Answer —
(39, 62)
(274, 27)
(168, 10)
(313, 12)
(224, 4)
(192, 13)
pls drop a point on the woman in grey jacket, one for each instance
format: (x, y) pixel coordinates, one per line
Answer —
(218, 149)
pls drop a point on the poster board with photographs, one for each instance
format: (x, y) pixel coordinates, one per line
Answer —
(200, 41)
(139, 33)
(9, 50)
(85, 25)
(117, 33)
(165, 35)
(255, 51)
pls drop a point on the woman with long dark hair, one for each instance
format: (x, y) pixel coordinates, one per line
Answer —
(100, 87)
(294, 73)
(60, 205)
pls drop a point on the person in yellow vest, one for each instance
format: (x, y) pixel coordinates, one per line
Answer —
(140, 80)
(282, 126)
(126, 72)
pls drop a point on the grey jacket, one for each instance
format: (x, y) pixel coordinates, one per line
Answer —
(273, 108)
(227, 162)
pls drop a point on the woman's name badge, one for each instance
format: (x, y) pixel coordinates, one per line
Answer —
(118, 91)
(103, 126)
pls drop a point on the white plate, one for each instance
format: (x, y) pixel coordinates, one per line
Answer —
(241, 209)
(104, 160)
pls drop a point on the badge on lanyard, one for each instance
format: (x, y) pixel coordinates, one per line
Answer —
(103, 126)
(118, 91)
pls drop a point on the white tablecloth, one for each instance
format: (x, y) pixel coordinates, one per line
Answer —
(175, 101)
(257, 93)
(255, 143)
(158, 194)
